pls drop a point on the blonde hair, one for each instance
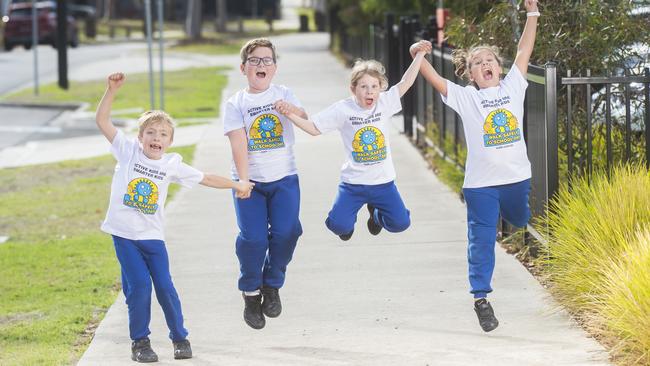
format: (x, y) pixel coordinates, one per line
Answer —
(462, 58)
(149, 118)
(368, 67)
(251, 45)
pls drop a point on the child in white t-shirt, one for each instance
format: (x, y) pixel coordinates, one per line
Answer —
(135, 218)
(262, 148)
(497, 171)
(368, 174)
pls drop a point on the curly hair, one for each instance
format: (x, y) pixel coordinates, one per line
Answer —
(155, 116)
(368, 67)
(461, 58)
(251, 45)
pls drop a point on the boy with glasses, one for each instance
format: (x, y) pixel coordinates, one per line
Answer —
(262, 141)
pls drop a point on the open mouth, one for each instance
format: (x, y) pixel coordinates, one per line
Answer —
(155, 147)
(487, 74)
(368, 101)
(260, 74)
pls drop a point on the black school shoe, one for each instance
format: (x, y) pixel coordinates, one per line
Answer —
(485, 314)
(141, 351)
(373, 227)
(346, 237)
(253, 311)
(271, 305)
(182, 350)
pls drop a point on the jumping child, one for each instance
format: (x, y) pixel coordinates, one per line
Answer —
(497, 170)
(135, 218)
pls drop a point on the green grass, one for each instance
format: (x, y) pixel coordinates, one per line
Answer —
(59, 272)
(209, 47)
(214, 43)
(596, 256)
(449, 172)
(189, 93)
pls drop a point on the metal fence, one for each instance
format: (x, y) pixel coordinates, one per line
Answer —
(549, 113)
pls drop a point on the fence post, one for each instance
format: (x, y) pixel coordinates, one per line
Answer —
(646, 119)
(391, 50)
(550, 99)
(406, 35)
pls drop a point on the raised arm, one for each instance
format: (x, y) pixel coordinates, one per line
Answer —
(429, 73)
(527, 41)
(103, 114)
(412, 72)
(239, 147)
(297, 116)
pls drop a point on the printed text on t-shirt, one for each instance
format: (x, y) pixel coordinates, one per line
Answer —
(151, 173)
(495, 103)
(355, 121)
(257, 110)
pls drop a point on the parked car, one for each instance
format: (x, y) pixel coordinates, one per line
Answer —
(635, 58)
(18, 27)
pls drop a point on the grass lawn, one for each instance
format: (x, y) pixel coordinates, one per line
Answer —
(59, 271)
(189, 93)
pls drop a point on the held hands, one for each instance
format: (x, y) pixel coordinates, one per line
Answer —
(285, 108)
(421, 46)
(243, 189)
(531, 6)
(115, 81)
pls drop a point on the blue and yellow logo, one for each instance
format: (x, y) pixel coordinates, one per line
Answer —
(142, 194)
(265, 133)
(500, 128)
(368, 145)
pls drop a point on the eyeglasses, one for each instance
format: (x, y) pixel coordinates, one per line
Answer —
(255, 61)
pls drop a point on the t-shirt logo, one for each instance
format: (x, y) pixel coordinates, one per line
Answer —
(500, 128)
(142, 194)
(368, 145)
(265, 133)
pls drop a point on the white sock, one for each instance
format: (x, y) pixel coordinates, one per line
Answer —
(252, 293)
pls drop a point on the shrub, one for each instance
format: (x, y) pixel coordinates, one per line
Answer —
(598, 259)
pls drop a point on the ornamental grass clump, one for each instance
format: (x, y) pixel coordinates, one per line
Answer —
(625, 306)
(598, 259)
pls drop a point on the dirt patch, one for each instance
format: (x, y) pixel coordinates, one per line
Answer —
(25, 178)
(19, 318)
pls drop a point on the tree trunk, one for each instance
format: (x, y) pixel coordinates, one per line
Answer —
(221, 18)
(193, 19)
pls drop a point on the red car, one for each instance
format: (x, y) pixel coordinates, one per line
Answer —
(18, 29)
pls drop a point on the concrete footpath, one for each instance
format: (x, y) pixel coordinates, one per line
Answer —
(393, 299)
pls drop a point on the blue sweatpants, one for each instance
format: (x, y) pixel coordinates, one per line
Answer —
(483, 208)
(269, 230)
(390, 211)
(143, 261)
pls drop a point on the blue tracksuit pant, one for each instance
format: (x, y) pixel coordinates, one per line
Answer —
(390, 211)
(269, 230)
(143, 261)
(483, 208)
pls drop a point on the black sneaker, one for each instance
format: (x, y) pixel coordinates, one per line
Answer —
(485, 314)
(346, 237)
(373, 227)
(141, 351)
(271, 306)
(182, 350)
(253, 311)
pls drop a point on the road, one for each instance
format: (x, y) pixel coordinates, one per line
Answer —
(17, 66)
(19, 126)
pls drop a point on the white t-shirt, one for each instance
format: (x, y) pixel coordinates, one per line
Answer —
(269, 133)
(492, 121)
(364, 133)
(139, 190)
